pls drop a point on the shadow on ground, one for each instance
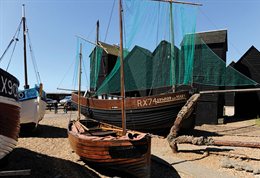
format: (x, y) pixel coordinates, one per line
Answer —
(46, 131)
(202, 152)
(159, 168)
(198, 133)
(43, 166)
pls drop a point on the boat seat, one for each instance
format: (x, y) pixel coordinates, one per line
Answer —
(100, 133)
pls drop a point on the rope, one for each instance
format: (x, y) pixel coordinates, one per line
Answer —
(216, 27)
(15, 38)
(84, 69)
(12, 53)
(37, 74)
(109, 22)
(65, 74)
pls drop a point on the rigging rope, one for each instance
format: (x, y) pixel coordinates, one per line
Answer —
(37, 74)
(84, 69)
(15, 38)
(65, 74)
(216, 27)
(109, 22)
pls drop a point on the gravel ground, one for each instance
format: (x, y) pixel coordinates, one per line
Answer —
(48, 154)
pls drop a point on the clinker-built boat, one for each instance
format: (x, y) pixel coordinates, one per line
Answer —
(9, 113)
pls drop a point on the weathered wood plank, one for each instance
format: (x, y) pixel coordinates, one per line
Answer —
(25, 172)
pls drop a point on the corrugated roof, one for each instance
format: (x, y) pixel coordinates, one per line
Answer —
(110, 49)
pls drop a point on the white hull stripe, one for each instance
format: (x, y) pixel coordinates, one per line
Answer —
(10, 101)
(6, 145)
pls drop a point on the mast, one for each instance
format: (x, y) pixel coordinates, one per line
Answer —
(172, 49)
(26, 86)
(172, 36)
(122, 81)
(97, 40)
(80, 59)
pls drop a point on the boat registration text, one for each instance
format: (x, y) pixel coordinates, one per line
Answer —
(159, 100)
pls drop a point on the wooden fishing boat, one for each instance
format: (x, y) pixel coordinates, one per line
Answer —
(148, 110)
(148, 114)
(104, 146)
(107, 146)
(9, 113)
(33, 100)
(110, 147)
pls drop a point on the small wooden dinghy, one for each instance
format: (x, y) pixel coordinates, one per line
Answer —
(103, 145)
(109, 146)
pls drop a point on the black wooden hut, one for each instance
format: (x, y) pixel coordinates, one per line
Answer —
(210, 106)
(247, 105)
(107, 63)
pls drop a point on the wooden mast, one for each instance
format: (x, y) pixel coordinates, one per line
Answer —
(97, 40)
(26, 86)
(122, 81)
(80, 59)
(172, 36)
(172, 49)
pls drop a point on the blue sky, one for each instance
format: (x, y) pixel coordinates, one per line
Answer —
(53, 25)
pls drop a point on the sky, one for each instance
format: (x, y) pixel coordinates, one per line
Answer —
(54, 24)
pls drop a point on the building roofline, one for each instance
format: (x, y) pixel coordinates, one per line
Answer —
(211, 31)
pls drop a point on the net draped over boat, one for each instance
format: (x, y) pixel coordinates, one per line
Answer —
(152, 63)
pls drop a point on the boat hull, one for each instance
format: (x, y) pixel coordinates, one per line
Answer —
(131, 156)
(9, 113)
(32, 112)
(146, 114)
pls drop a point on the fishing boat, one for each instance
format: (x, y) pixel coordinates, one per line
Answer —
(151, 113)
(33, 100)
(148, 110)
(103, 146)
(109, 147)
(9, 113)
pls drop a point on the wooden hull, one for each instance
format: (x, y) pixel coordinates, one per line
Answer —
(122, 154)
(9, 113)
(142, 113)
(32, 109)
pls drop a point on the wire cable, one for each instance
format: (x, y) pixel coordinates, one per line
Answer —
(109, 22)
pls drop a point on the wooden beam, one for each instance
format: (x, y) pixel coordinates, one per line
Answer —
(96, 44)
(237, 143)
(65, 89)
(179, 2)
(230, 91)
